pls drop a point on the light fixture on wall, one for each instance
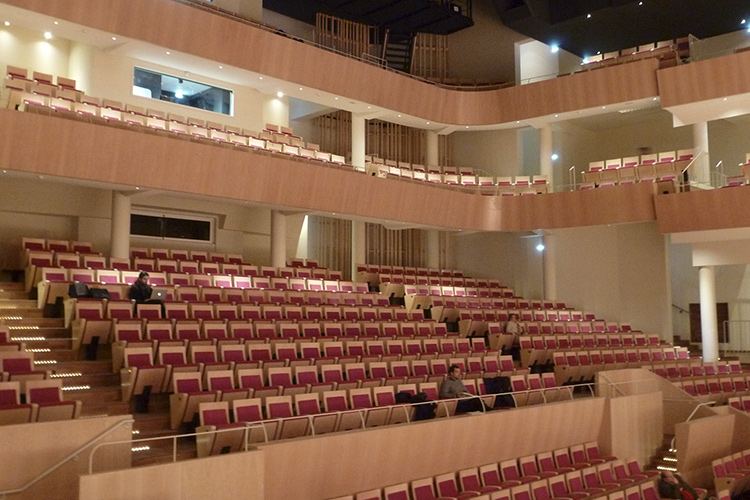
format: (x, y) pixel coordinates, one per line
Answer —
(554, 156)
(47, 35)
(554, 49)
(540, 247)
(279, 94)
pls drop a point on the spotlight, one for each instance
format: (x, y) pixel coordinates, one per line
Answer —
(554, 156)
(554, 49)
(279, 94)
(540, 247)
(47, 35)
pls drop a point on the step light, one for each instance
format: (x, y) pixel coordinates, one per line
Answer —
(77, 388)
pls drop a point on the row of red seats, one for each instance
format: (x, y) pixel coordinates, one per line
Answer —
(730, 468)
(43, 402)
(551, 342)
(578, 473)
(337, 354)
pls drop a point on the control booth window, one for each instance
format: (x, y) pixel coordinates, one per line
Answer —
(167, 226)
(155, 85)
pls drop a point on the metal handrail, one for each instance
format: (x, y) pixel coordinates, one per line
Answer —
(69, 457)
(707, 403)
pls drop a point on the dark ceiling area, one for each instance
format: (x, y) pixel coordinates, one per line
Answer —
(409, 16)
(585, 27)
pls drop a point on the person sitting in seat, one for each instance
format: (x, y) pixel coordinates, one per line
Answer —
(671, 485)
(140, 291)
(513, 327)
(453, 388)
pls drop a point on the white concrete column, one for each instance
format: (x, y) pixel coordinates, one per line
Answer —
(80, 66)
(709, 321)
(278, 239)
(545, 153)
(120, 235)
(701, 170)
(433, 248)
(358, 142)
(549, 267)
(432, 149)
(276, 111)
(359, 254)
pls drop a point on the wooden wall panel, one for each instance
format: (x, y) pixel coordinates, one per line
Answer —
(700, 441)
(51, 146)
(183, 28)
(28, 450)
(703, 210)
(709, 79)
(225, 477)
(348, 462)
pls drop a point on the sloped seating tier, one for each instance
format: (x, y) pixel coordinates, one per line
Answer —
(106, 112)
(667, 51)
(463, 178)
(665, 166)
(323, 410)
(261, 345)
(574, 366)
(731, 468)
(577, 472)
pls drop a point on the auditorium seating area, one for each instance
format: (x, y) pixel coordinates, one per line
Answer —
(669, 53)
(467, 179)
(577, 472)
(665, 166)
(61, 99)
(731, 469)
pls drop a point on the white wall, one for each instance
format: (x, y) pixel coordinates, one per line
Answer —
(535, 62)
(71, 212)
(28, 49)
(494, 151)
(484, 51)
(618, 272)
(510, 257)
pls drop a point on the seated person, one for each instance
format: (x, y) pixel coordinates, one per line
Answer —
(673, 486)
(513, 327)
(140, 291)
(453, 388)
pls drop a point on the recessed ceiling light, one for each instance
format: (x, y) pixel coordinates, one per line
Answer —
(47, 35)
(114, 38)
(598, 52)
(428, 123)
(399, 116)
(300, 88)
(335, 98)
(604, 107)
(554, 156)
(741, 22)
(519, 121)
(260, 78)
(556, 116)
(137, 188)
(588, 16)
(725, 98)
(655, 98)
(279, 94)
(221, 67)
(169, 53)
(7, 23)
(369, 107)
(555, 49)
(467, 126)
(640, 3)
(56, 23)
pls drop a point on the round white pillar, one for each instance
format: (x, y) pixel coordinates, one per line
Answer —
(548, 268)
(709, 320)
(701, 170)
(120, 234)
(433, 248)
(545, 153)
(432, 149)
(358, 142)
(359, 255)
(278, 239)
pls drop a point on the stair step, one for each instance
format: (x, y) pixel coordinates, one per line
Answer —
(17, 303)
(95, 394)
(13, 294)
(106, 408)
(31, 323)
(11, 285)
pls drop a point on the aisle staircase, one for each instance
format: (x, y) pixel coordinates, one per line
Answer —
(91, 382)
(398, 49)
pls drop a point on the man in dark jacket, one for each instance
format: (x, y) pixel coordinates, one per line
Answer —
(140, 291)
(673, 486)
